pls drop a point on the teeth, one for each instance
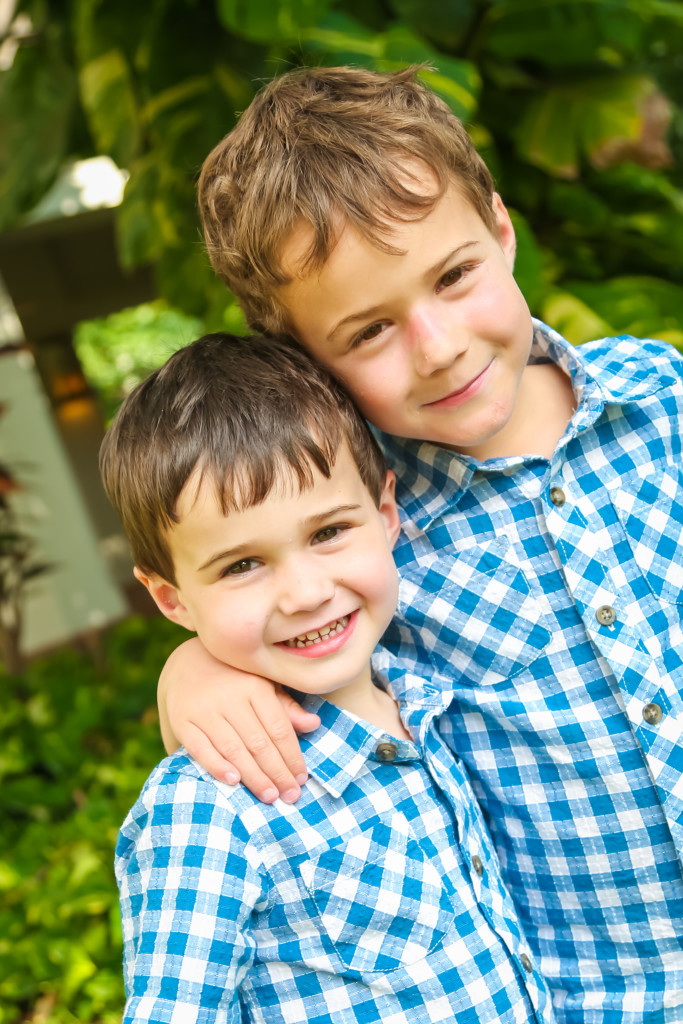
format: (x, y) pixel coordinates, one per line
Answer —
(318, 635)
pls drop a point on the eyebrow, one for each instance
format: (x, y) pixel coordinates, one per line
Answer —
(372, 311)
(310, 523)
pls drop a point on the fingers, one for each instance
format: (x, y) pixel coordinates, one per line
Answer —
(200, 747)
(265, 749)
(257, 746)
(302, 721)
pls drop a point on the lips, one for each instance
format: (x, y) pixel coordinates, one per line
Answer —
(463, 393)
(318, 643)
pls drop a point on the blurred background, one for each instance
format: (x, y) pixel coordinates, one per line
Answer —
(107, 110)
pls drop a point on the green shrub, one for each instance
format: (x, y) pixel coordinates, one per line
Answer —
(76, 744)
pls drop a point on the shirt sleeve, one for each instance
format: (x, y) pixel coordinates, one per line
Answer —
(187, 894)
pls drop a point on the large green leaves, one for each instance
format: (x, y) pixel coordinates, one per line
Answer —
(265, 21)
(37, 102)
(591, 118)
(107, 93)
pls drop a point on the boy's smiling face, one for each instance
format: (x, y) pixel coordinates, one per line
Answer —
(261, 586)
(432, 342)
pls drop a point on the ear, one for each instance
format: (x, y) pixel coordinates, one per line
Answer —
(506, 232)
(166, 597)
(388, 509)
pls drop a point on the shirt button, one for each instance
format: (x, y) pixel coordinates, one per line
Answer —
(386, 751)
(526, 963)
(606, 615)
(557, 496)
(477, 865)
(652, 713)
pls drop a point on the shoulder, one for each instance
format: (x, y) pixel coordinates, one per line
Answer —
(625, 355)
(180, 804)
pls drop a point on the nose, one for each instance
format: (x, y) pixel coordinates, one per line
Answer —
(305, 585)
(434, 340)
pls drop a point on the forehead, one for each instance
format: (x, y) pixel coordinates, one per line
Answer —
(203, 493)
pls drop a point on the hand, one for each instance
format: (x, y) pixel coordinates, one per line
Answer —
(238, 726)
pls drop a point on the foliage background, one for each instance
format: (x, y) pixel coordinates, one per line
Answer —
(575, 104)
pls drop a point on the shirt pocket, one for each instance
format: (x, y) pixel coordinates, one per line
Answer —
(649, 504)
(380, 902)
(475, 613)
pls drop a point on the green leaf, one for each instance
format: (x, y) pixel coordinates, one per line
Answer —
(643, 306)
(37, 100)
(548, 134)
(108, 99)
(567, 122)
(575, 320)
(443, 21)
(267, 21)
(563, 32)
(528, 261)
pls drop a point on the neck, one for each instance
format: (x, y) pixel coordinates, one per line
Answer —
(371, 704)
(544, 406)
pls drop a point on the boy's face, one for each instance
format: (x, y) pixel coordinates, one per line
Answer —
(432, 343)
(298, 589)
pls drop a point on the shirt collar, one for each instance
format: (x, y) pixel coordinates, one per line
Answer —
(431, 480)
(337, 752)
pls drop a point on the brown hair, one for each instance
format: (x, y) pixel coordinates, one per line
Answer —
(324, 145)
(243, 411)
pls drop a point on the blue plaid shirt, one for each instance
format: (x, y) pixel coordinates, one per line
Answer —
(546, 595)
(377, 897)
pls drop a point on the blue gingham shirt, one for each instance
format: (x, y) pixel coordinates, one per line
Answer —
(546, 596)
(377, 897)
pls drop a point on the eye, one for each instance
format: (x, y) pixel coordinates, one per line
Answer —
(244, 565)
(454, 276)
(328, 533)
(368, 333)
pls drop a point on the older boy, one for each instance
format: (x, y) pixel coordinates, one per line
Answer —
(541, 558)
(378, 897)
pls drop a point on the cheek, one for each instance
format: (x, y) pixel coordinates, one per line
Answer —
(222, 635)
(377, 387)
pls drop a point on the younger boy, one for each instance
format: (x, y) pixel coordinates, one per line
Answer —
(377, 897)
(541, 557)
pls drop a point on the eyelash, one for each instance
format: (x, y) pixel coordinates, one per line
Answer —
(228, 571)
(461, 271)
(335, 528)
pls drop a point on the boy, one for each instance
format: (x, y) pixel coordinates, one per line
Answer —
(377, 897)
(541, 557)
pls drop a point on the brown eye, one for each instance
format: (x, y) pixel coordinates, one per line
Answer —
(451, 277)
(239, 568)
(368, 334)
(327, 533)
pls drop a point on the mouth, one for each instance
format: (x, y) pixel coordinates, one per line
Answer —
(463, 393)
(318, 636)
